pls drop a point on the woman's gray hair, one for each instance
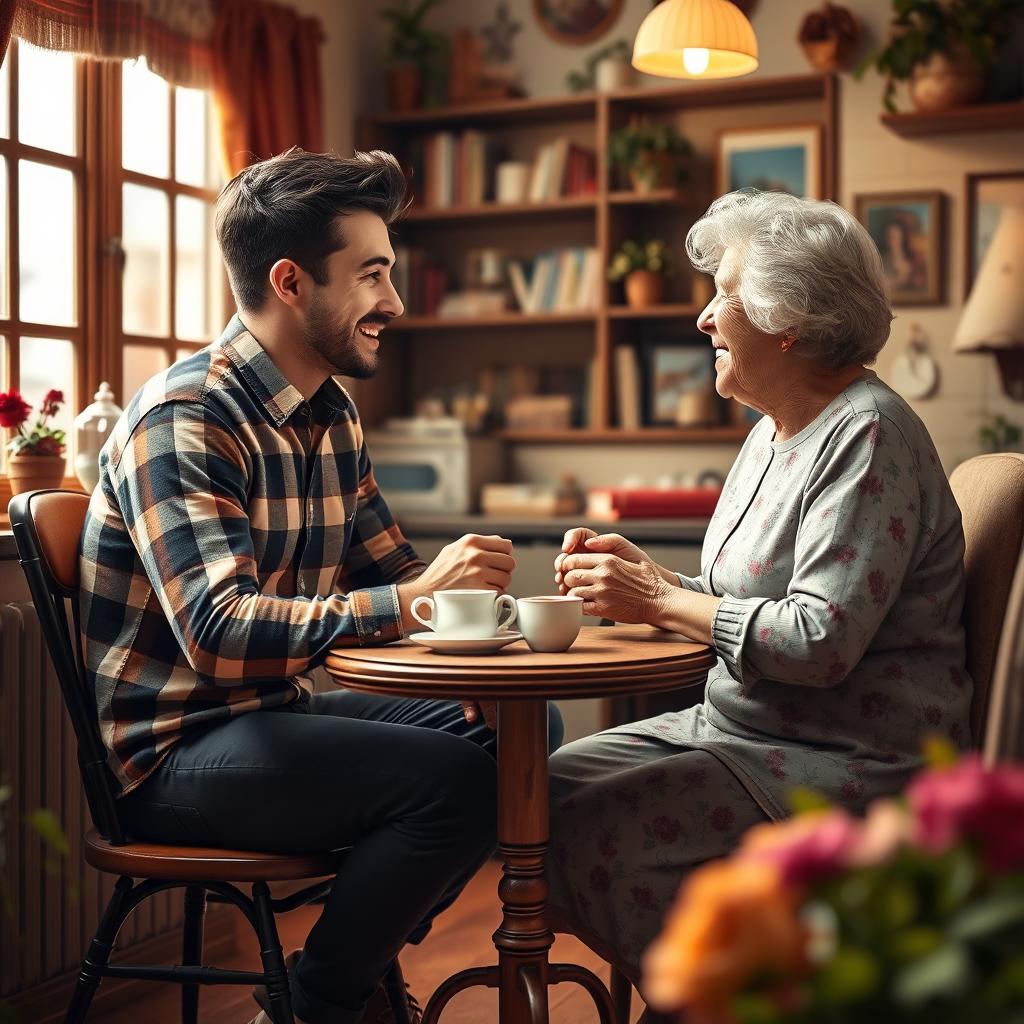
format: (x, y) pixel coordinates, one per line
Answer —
(807, 268)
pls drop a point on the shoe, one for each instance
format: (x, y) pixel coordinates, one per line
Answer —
(378, 1009)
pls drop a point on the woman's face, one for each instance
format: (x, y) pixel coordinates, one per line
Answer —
(747, 360)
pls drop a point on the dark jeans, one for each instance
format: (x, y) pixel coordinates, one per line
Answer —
(408, 784)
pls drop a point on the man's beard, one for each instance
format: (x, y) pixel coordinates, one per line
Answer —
(336, 341)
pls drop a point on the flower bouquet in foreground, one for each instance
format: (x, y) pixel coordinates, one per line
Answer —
(914, 913)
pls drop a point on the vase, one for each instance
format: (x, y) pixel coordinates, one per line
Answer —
(404, 87)
(35, 472)
(946, 80)
(644, 288)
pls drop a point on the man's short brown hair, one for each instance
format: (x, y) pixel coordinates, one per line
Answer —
(287, 207)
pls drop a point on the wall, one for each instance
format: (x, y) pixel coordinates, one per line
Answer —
(871, 159)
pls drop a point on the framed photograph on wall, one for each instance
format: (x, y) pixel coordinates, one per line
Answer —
(988, 195)
(772, 158)
(909, 230)
(679, 385)
(576, 21)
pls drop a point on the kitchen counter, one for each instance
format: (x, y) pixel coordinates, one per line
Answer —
(524, 528)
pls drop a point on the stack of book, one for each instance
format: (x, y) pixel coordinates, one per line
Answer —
(452, 170)
(421, 284)
(613, 503)
(561, 168)
(559, 281)
(628, 388)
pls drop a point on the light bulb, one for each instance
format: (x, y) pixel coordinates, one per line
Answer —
(696, 59)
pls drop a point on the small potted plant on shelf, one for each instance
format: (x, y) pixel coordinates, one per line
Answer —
(942, 48)
(652, 154)
(642, 269)
(415, 73)
(35, 458)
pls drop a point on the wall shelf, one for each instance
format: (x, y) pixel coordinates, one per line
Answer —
(568, 205)
(981, 117)
(664, 312)
(462, 323)
(646, 435)
(654, 197)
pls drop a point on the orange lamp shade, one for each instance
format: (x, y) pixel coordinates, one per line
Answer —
(695, 39)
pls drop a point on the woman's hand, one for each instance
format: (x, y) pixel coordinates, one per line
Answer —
(583, 540)
(616, 588)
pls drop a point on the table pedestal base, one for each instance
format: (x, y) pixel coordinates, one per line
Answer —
(523, 973)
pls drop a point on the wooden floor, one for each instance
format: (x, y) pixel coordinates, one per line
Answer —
(461, 937)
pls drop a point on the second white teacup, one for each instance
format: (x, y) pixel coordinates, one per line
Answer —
(466, 614)
(550, 623)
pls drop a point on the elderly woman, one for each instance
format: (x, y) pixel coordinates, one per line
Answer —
(831, 586)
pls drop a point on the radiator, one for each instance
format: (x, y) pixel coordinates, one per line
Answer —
(52, 909)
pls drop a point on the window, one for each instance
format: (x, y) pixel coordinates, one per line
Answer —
(109, 269)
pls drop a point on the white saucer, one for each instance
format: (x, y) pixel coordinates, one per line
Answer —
(444, 645)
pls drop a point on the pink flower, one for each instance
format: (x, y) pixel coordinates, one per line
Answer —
(844, 554)
(805, 848)
(897, 530)
(871, 485)
(886, 828)
(723, 818)
(969, 801)
(600, 880)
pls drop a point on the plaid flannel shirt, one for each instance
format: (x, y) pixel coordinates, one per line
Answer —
(221, 559)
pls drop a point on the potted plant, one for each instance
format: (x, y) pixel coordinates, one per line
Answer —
(416, 56)
(653, 154)
(828, 37)
(35, 458)
(643, 269)
(943, 48)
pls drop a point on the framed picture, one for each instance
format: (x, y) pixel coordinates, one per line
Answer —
(679, 386)
(777, 158)
(909, 230)
(987, 196)
(576, 21)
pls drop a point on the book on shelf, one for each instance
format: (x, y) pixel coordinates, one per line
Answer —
(613, 503)
(562, 169)
(559, 281)
(420, 282)
(627, 387)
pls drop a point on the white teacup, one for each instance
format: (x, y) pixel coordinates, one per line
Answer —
(466, 614)
(550, 624)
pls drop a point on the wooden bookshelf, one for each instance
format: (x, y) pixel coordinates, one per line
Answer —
(423, 345)
(981, 117)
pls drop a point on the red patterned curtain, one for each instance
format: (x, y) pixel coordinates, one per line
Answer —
(261, 59)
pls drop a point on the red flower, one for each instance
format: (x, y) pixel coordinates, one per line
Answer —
(14, 410)
(52, 401)
(775, 759)
(723, 818)
(600, 880)
(666, 830)
(48, 446)
(897, 529)
(844, 554)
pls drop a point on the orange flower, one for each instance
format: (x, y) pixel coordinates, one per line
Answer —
(733, 919)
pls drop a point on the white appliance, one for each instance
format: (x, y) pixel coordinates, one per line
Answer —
(431, 466)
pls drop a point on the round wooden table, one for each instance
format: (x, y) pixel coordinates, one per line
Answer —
(604, 661)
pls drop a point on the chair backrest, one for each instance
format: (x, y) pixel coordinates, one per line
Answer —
(990, 492)
(1004, 729)
(47, 526)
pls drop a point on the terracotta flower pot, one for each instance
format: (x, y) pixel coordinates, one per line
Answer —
(945, 80)
(404, 87)
(652, 170)
(35, 472)
(644, 288)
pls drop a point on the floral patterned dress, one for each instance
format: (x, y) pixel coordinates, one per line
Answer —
(838, 555)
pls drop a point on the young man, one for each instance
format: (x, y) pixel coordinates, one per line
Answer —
(236, 536)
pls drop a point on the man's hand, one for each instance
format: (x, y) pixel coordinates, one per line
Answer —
(471, 709)
(473, 562)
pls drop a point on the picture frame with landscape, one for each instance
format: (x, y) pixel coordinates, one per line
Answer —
(679, 384)
(987, 196)
(909, 230)
(771, 158)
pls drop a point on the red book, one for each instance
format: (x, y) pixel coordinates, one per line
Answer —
(613, 503)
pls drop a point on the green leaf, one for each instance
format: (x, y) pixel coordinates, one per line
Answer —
(915, 942)
(803, 799)
(849, 977)
(988, 915)
(46, 825)
(754, 1008)
(944, 973)
(5, 794)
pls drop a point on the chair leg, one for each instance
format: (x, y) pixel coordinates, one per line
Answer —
(98, 956)
(275, 975)
(192, 949)
(394, 987)
(622, 995)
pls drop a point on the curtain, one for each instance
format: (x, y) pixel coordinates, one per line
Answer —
(266, 81)
(261, 59)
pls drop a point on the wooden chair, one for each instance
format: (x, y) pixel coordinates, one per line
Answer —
(990, 492)
(47, 526)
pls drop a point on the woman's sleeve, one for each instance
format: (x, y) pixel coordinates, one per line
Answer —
(858, 532)
(694, 583)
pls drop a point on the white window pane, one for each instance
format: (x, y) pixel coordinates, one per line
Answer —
(145, 120)
(185, 353)
(50, 363)
(46, 243)
(140, 363)
(3, 387)
(145, 237)
(192, 137)
(5, 96)
(47, 107)
(5, 283)
(198, 267)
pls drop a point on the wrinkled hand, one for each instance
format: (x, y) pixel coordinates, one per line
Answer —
(583, 539)
(615, 588)
(471, 709)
